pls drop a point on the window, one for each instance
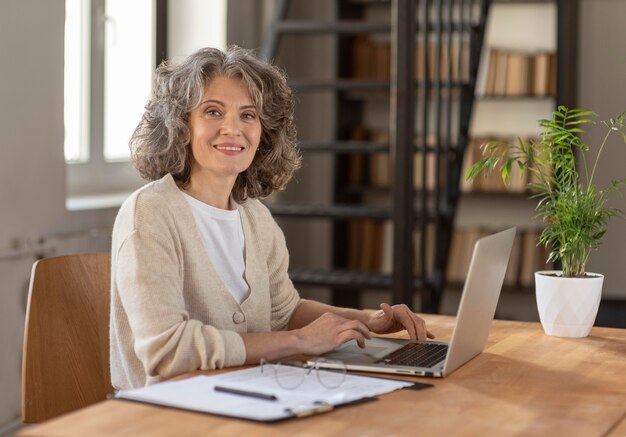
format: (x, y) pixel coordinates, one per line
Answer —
(129, 59)
(110, 56)
(76, 81)
(111, 50)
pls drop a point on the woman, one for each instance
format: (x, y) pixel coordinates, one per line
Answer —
(199, 267)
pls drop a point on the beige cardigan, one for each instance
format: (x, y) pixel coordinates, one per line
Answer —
(170, 311)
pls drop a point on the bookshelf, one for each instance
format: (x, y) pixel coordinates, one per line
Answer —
(403, 96)
(528, 67)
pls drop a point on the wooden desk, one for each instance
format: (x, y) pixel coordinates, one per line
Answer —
(524, 383)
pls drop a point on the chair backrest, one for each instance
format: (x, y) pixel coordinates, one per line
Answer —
(65, 363)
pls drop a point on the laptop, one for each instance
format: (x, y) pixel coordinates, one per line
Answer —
(475, 314)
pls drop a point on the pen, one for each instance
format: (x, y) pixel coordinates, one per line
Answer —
(251, 394)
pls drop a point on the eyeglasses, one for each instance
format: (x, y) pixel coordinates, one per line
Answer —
(290, 375)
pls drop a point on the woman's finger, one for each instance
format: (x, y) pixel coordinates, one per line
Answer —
(422, 333)
(415, 325)
(357, 326)
(420, 327)
(414, 320)
(352, 334)
(387, 311)
(402, 316)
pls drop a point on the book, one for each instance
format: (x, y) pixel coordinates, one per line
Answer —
(367, 245)
(382, 60)
(529, 258)
(380, 170)
(429, 249)
(425, 164)
(361, 57)
(356, 161)
(460, 60)
(469, 159)
(438, 62)
(453, 269)
(386, 262)
(541, 74)
(517, 75)
(490, 87)
(552, 72)
(419, 62)
(380, 162)
(354, 245)
(377, 254)
(500, 73)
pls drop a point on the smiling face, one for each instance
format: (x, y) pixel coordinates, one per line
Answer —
(225, 132)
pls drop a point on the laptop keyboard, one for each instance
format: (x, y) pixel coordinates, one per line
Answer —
(417, 355)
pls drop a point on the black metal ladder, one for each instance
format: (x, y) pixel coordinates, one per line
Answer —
(431, 108)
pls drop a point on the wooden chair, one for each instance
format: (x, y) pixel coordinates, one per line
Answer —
(65, 363)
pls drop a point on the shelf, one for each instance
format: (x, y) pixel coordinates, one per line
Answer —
(344, 278)
(340, 27)
(367, 84)
(336, 211)
(347, 212)
(351, 146)
(364, 189)
(386, 2)
(343, 146)
(523, 1)
(506, 288)
(355, 27)
(341, 85)
(505, 98)
(497, 195)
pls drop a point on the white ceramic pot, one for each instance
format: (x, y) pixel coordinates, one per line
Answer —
(567, 306)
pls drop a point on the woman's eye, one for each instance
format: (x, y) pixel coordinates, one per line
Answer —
(248, 116)
(213, 112)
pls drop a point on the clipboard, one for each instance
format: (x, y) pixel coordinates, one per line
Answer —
(275, 403)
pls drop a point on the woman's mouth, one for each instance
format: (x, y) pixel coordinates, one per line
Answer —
(229, 147)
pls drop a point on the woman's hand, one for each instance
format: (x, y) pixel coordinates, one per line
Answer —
(330, 331)
(396, 318)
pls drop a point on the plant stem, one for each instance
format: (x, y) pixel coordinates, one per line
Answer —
(593, 172)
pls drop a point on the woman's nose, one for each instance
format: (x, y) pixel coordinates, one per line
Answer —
(231, 125)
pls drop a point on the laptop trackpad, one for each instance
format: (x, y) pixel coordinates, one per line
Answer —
(375, 349)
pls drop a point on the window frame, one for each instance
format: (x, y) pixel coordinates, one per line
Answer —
(97, 176)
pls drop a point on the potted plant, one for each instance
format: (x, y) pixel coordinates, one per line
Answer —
(574, 212)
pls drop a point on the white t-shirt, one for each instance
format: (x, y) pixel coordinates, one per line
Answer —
(222, 235)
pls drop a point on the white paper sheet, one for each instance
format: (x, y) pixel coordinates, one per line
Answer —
(198, 394)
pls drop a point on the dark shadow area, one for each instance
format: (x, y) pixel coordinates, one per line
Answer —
(612, 313)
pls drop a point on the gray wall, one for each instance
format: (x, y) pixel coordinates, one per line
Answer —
(310, 57)
(32, 171)
(601, 74)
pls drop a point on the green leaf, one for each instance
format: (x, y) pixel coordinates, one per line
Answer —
(580, 121)
(581, 113)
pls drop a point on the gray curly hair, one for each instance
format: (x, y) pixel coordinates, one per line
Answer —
(161, 142)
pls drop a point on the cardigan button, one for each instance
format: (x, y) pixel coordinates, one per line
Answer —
(238, 317)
